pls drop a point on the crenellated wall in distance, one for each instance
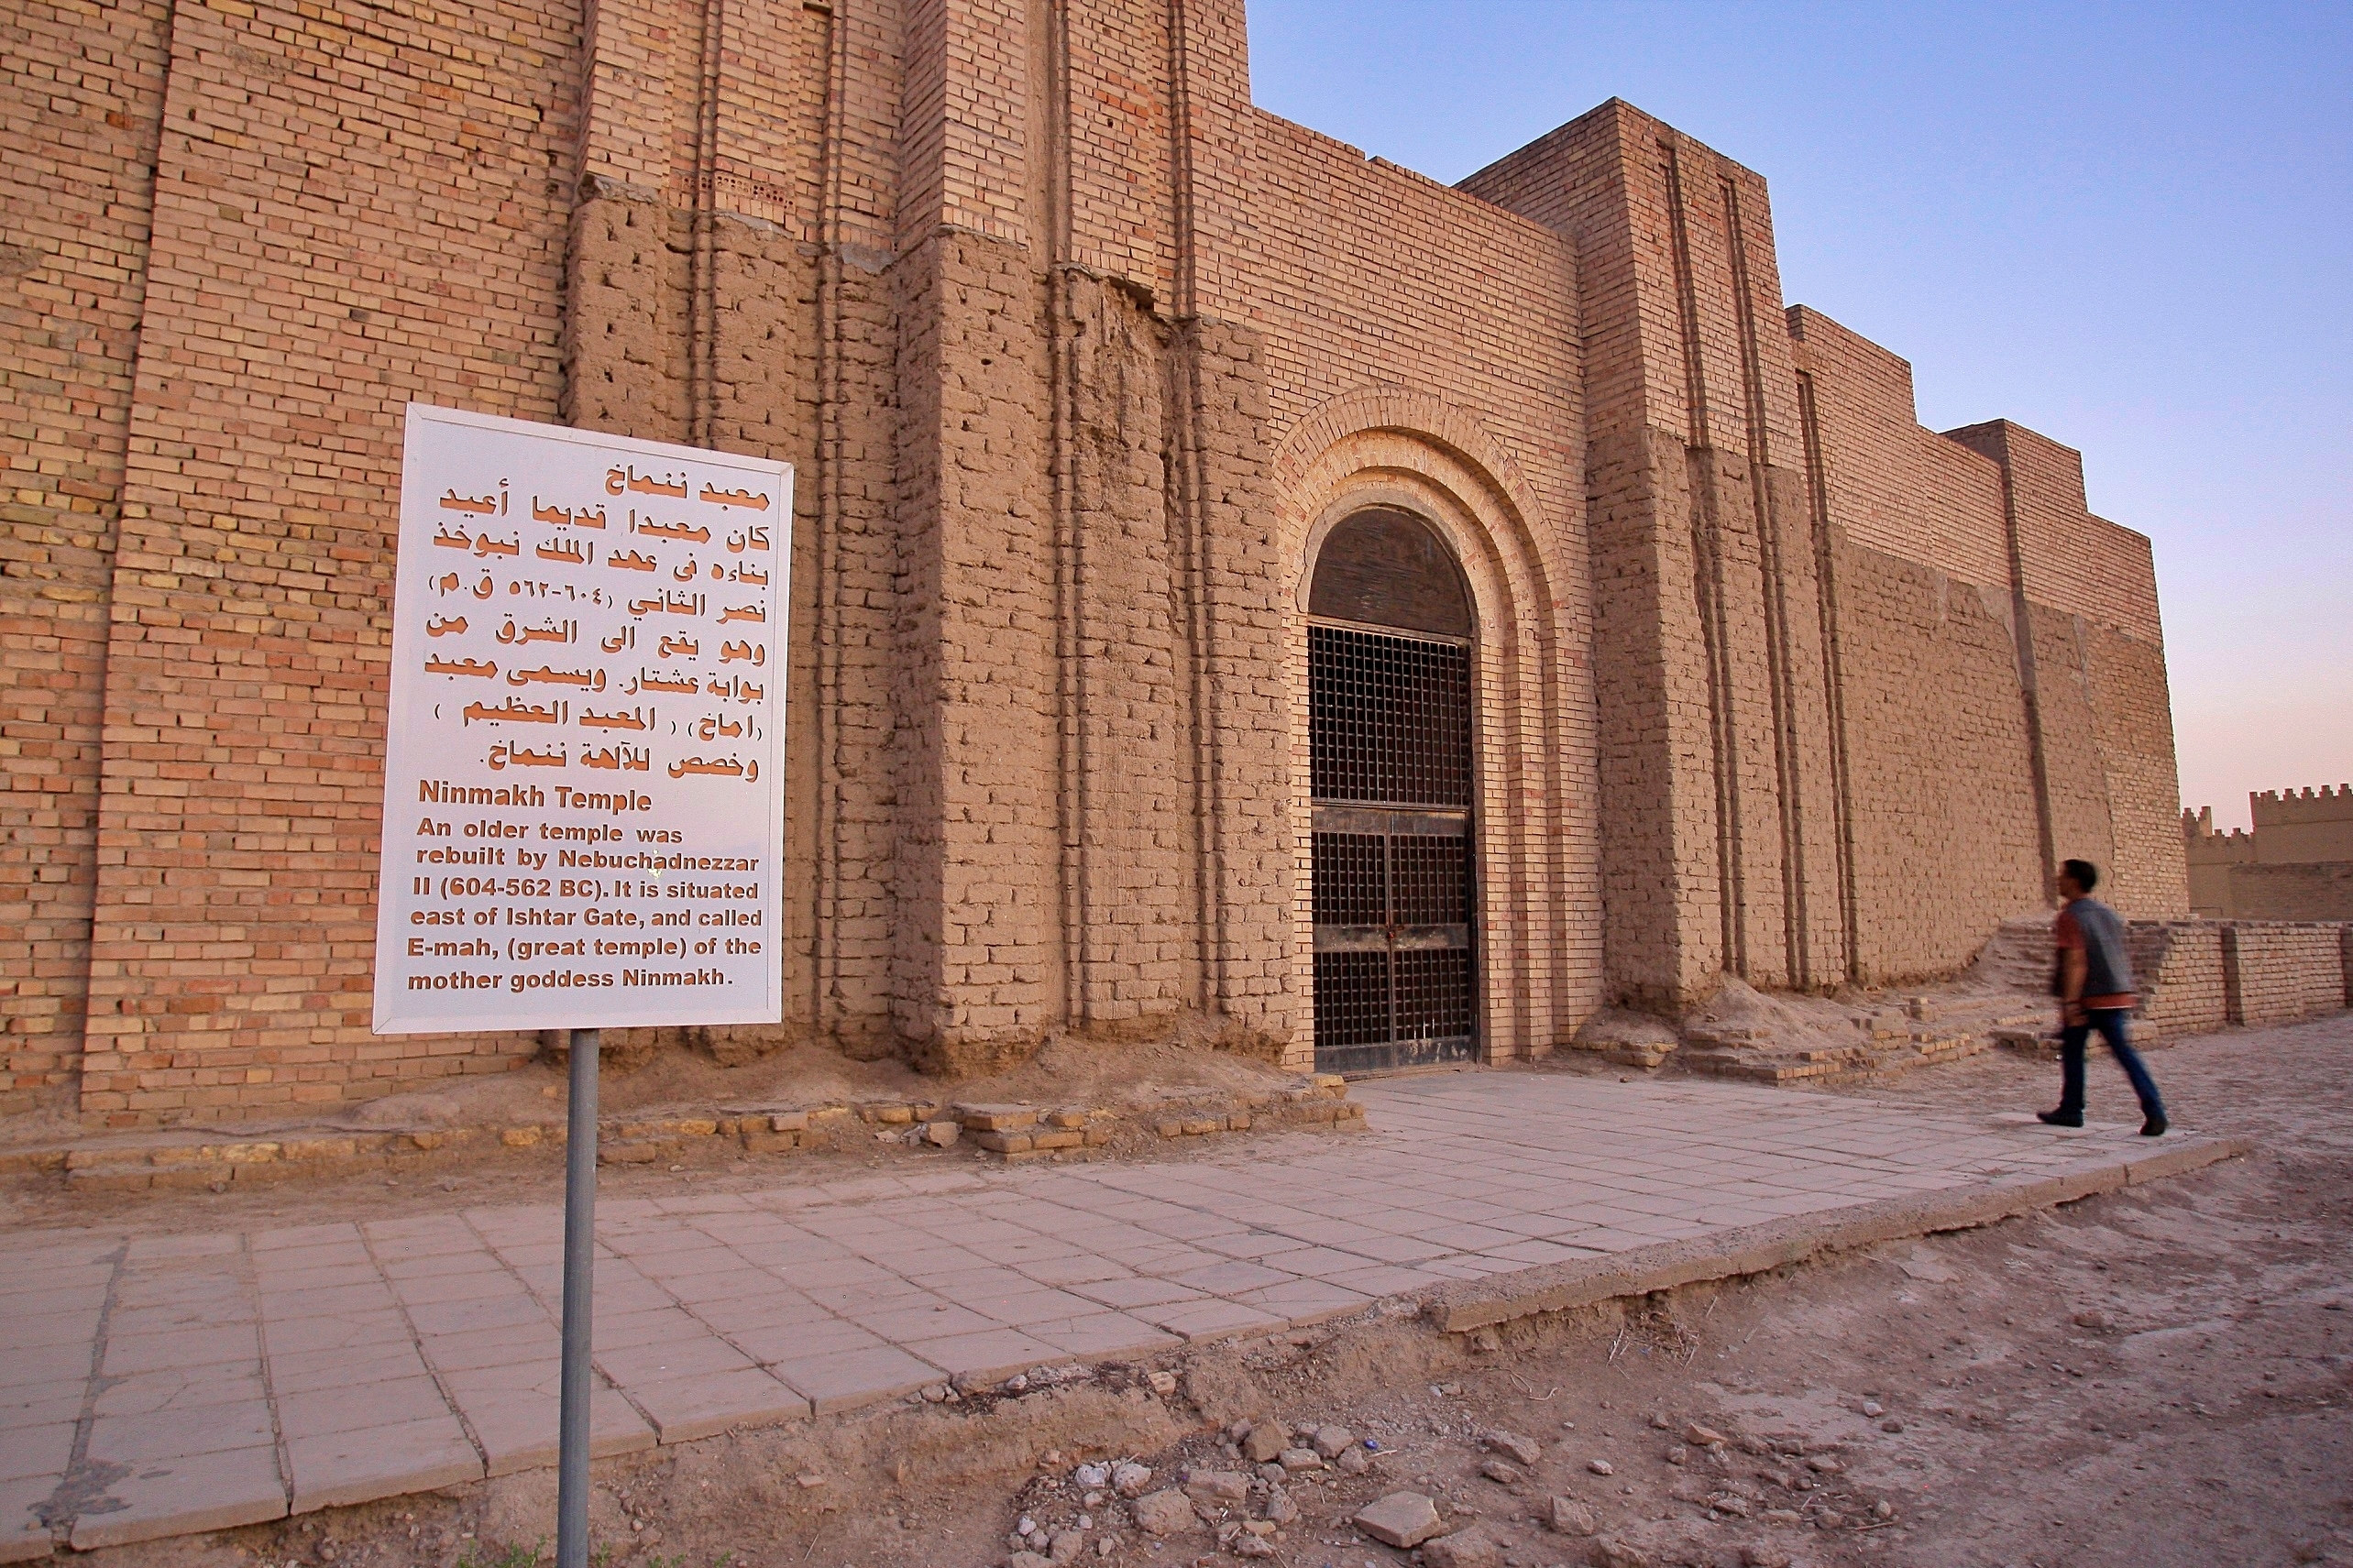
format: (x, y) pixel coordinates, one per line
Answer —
(2296, 864)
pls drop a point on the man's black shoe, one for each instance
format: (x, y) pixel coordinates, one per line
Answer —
(2154, 1127)
(2062, 1119)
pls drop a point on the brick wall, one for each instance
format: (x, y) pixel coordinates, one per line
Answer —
(2316, 825)
(2276, 973)
(1901, 489)
(1719, 768)
(1940, 783)
(81, 110)
(2179, 967)
(297, 294)
(1364, 276)
(1075, 351)
(2320, 891)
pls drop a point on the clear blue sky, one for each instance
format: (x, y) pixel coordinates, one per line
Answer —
(2125, 226)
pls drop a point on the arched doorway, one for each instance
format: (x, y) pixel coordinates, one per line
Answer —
(1389, 698)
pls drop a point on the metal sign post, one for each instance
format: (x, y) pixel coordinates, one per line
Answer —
(580, 1289)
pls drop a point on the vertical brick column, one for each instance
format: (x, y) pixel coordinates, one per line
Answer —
(80, 109)
(1720, 819)
(706, 302)
(2092, 661)
(978, 946)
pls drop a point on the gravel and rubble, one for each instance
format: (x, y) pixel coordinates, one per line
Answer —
(2156, 1377)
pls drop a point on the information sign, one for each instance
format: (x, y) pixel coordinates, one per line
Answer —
(584, 771)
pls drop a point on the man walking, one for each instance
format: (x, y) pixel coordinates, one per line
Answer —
(2094, 982)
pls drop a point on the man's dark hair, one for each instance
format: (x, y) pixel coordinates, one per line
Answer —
(2082, 873)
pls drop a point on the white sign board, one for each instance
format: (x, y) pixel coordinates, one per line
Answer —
(583, 778)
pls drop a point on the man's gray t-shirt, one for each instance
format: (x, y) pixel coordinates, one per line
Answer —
(2092, 926)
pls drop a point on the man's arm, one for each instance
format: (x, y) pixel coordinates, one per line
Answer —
(2074, 969)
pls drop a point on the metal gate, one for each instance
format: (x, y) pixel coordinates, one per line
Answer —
(1389, 734)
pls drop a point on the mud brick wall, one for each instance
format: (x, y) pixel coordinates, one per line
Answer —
(1941, 781)
(81, 111)
(1718, 759)
(1077, 355)
(1900, 489)
(2320, 891)
(2315, 825)
(2274, 973)
(2092, 663)
(297, 295)
(2179, 968)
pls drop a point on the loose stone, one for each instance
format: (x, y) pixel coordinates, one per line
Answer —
(1403, 1519)
(1215, 1485)
(1522, 1450)
(1607, 1553)
(1332, 1441)
(1166, 1512)
(1472, 1548)
(1570, 1516)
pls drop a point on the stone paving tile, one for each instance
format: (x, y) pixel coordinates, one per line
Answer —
(511, 1410)
(207, 1491)
(23, 1536)
(35, 1366)
(142, 1439)
(1209, 1319)
(36, 1450)
(384, 1459)
(686, 1357)
(685, 1408)
(992, 1352)
(1109, 1335)
(1133, 1293)
(359, 1403)
(844, 1379)
(797, 1341)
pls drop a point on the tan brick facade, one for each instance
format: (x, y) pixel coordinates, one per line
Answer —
(1079, 355)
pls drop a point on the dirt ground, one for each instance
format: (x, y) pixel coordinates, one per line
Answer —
(2149, 1377)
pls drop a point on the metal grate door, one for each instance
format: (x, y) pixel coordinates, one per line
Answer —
(1388, 727)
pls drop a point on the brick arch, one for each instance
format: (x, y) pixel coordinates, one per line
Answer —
(1422, 417)
(1383, 445)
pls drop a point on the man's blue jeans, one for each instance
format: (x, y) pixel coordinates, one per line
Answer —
(2110, 1023)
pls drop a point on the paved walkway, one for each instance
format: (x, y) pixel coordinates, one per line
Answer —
(155, 1386)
